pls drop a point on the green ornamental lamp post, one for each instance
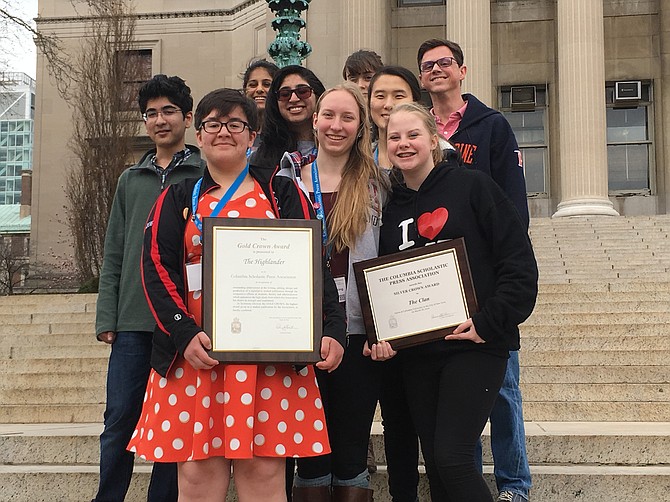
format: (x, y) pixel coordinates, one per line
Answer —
(288, 49)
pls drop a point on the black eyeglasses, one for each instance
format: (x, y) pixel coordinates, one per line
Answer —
(166, 112)
(302, 91)
(444, 62)
(234, 126)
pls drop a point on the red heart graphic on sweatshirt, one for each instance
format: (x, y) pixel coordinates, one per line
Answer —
(430, 224)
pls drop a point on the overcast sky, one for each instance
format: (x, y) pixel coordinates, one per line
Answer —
(21, 56)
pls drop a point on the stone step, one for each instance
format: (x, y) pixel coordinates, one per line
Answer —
(627, 411)
(597, 297)
(594, 374)
(615, 287)
(532, 392)
(567, 319)
(592, 330)
(612, 443)
(50, 413)
(57, 328)
(32, 381)
(52, 340)
(550, 483)
(602, 306)
(53, 396)
(53, 365)
(46, 318)
(591, 358)
(56, 299)
(50, 307)
(95, 350)
(605, 343)
(596, 392)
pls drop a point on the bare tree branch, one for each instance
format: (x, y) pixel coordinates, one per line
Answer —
(103, 132)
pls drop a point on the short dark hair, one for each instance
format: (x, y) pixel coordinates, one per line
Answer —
(440, 42)
(360, 62)
(268, 66)
(172, 88)
(276, 136)
(224, 101)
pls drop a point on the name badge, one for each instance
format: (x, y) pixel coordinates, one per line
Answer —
(341, 284)
(194, 276)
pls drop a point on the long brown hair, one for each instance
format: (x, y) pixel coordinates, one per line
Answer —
(351, 211)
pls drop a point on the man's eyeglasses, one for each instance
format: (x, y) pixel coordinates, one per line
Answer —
(166, 112)
(234, 126)
(444, 62)
(302, 91)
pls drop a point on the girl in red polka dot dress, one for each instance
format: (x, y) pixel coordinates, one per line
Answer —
(208, 417)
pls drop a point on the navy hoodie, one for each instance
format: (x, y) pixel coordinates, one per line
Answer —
(455, 202)
(487, 143)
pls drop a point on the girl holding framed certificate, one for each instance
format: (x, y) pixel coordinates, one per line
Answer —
(208, 417)
(451, 384)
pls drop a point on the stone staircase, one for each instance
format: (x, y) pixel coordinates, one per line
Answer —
(595, 375)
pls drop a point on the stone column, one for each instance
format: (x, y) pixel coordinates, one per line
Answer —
(581, 90)
(663, 136)
(469, 24)
(365, 24)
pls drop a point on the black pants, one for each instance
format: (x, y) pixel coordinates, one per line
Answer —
(450, 398)
(401, 443)
(350, 395)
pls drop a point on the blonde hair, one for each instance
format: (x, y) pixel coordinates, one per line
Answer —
(351, 211)
(428, 121)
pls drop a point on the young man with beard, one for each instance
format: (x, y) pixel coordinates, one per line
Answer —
(123, 318)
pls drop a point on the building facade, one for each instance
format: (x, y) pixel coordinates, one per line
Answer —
(17, 113)
(581, 81)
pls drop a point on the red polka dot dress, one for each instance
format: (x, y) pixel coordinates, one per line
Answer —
(233, 411)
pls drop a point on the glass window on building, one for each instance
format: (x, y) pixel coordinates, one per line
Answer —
(140, 71)
(525, 109)
(629, 144)
(15, 156)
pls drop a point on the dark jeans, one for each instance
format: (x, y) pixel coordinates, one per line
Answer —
(127, 377)
(450, 398)
(350, 396)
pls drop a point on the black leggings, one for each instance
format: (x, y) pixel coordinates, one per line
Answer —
(450, 397)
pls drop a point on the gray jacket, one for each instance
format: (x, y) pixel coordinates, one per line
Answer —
(366, 247)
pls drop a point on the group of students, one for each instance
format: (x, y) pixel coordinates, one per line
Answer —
(366, 158)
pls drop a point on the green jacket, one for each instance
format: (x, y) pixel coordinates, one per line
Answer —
(122, 305)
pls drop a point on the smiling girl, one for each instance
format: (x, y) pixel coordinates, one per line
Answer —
(451, 384)
(256, 83)
(390, 86)
(348, 191)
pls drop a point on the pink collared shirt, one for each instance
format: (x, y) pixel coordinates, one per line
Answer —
(454, 120)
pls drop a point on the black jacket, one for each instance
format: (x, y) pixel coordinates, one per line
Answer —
(163, 264)
(501, 258)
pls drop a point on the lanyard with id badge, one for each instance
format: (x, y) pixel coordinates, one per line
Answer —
(194, 270)
(340, 281)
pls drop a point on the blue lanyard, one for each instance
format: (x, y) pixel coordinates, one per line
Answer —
(318, 207)
(224, 200)
(376, 155)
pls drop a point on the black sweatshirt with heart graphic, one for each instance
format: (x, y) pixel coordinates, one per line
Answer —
(453, 202)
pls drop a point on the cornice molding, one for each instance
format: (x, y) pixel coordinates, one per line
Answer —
(158, 15)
